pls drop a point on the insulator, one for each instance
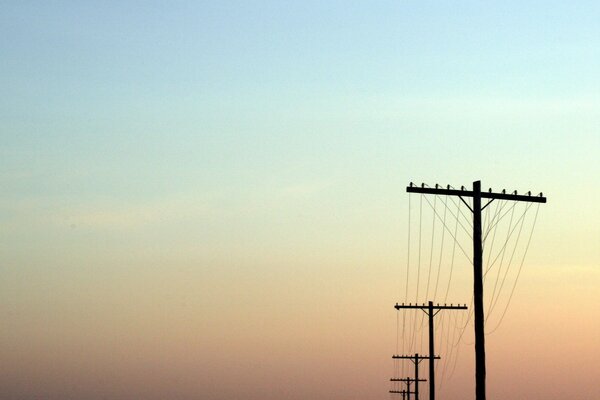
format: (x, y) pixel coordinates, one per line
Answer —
(503, 191)
(529, 193)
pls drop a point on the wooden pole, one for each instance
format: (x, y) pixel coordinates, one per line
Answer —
(478, 295)
(431, 353)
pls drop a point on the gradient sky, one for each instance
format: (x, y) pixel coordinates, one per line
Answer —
(206, 200)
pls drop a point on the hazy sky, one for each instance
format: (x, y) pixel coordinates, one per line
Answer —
(207, 200)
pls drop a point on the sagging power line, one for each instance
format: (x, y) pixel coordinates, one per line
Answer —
(476, 208)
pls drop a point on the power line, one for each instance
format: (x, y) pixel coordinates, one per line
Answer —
(476, 195)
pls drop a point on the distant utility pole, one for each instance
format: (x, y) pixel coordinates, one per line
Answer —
(416, 359)
(477, 195)
(408, 382)
(431, 312)
(404, 393)
(416, 380)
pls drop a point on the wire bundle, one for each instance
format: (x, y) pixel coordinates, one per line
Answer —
(441, 270)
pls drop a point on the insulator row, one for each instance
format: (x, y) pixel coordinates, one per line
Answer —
(437, 186)
(427, 305)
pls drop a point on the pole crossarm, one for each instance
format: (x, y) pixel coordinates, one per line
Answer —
(435, 307)
(401, 392)
(412, 358)
(469, 193)
(427, 309)
(407, 380)
(479, 319)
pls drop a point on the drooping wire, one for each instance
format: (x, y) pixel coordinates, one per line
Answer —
(440, 345)
(460, 213)
(455, 359)
(496, 292)
(450, 346)
(453, 255)
(455, 342)
(431, 252)
(510, 209)
(457, 325)
(467, 231)
(518, 273)
(503, 251)
(465, 216)
(510, 234)
(489, 228)
(497, 217)
(437, 279)
(450, 232)
(418, 268)
(493, 305)
(407, 277)
(420, 242)
(492, 226)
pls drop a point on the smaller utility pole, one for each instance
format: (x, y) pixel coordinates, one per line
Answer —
(431, 312)
(404, 393)
(416, 359)
(408, 382)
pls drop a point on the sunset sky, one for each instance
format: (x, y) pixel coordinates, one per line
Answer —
(206, 200)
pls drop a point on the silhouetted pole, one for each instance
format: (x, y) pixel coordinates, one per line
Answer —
(429, 310)
(477, 195)
(431, 353)
(478, 294)
(408, 382)
(416, 359)
(404, 393)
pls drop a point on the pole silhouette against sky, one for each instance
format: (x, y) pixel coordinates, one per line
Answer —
(477, 195)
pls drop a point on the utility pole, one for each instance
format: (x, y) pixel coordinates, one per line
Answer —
(431, 312)
(416, 380)
(404, 393)
(416, 359)
(476, 194)
(408, 382)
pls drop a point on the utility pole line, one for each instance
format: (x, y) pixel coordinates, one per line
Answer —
(404, 393)
(408, 382)
(416, 359)
(431, 312)
(476, 194)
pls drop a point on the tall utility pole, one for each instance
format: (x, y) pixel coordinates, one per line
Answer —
(431, 312)
(408, 382)
(416, 359)
(477, 195)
